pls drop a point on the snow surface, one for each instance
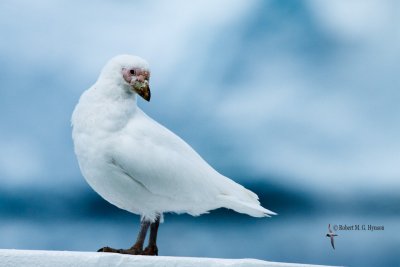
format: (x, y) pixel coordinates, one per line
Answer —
(42, 258)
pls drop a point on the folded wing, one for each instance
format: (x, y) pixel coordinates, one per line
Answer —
(168, 167)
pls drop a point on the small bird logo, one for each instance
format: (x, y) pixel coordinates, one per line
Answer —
(331, 235)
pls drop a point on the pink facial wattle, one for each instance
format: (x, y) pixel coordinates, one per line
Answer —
(140, 74)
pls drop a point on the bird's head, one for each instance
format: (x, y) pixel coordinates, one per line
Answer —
(131, 72)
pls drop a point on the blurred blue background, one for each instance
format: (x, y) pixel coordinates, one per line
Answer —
(297, 100)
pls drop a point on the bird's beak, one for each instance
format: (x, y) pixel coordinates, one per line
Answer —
(141, 84)
(142, 88)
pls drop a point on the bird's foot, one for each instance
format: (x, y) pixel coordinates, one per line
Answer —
(151, 250)
(131, 251)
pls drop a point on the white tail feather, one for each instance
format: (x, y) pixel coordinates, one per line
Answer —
(250, 208)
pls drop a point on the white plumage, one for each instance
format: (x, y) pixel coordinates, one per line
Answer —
(140, 166)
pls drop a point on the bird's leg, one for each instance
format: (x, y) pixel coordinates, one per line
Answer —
(151, 248)
(137, 248)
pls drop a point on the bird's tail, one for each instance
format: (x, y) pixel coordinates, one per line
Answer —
(252, 208)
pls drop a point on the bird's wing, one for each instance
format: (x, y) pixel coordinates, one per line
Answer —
(329, 228)
(333, 242)
(162, 162)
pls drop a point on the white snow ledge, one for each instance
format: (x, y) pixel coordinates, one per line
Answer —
(41, 258)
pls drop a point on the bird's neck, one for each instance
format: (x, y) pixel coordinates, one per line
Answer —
(107, 112)
(119, 106)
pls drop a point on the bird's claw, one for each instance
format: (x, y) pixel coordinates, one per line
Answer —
(106, 249)
(131, 251)
(151, 251)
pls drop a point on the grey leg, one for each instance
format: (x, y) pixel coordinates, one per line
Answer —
(152, 249)
(144, 226)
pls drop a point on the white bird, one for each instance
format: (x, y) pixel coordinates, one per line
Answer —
(140, 166)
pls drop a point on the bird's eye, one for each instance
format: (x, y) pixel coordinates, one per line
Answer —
(133, 72)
